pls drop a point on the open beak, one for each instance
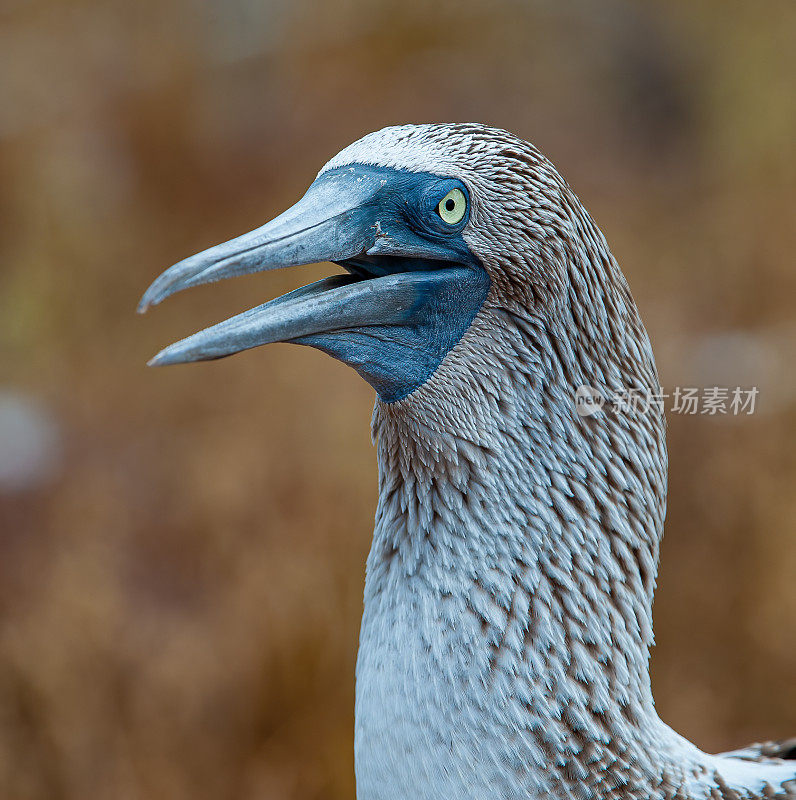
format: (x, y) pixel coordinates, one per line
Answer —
(339, 220)
(334, 221)
(405, 300)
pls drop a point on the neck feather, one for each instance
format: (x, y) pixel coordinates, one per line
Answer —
(545, 525)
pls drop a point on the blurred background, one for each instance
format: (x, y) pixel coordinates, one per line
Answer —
(181, 550)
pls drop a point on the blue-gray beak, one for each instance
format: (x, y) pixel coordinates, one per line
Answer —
(400, 281)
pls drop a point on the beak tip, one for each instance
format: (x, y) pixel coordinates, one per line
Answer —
(162, 359)
(159, 290)
(145, 303)
(150, 298)
(182, 352)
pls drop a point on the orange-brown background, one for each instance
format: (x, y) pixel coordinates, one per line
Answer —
(181, 563)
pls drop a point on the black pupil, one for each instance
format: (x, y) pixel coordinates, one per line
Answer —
(449, 204)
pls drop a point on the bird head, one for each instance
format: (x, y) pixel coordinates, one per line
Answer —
(447, 232)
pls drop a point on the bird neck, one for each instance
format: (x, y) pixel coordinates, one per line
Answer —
(540, 526)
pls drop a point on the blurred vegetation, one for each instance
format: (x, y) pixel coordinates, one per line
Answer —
(181, 551)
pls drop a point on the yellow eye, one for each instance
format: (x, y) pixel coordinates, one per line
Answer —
(453, 206)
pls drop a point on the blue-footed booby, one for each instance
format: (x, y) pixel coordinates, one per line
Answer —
(507, 622)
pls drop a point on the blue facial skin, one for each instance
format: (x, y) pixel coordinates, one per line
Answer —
(399, 357)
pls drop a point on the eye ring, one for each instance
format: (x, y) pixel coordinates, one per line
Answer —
(453, 207)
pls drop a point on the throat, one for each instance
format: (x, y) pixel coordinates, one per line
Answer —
(516, 569)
